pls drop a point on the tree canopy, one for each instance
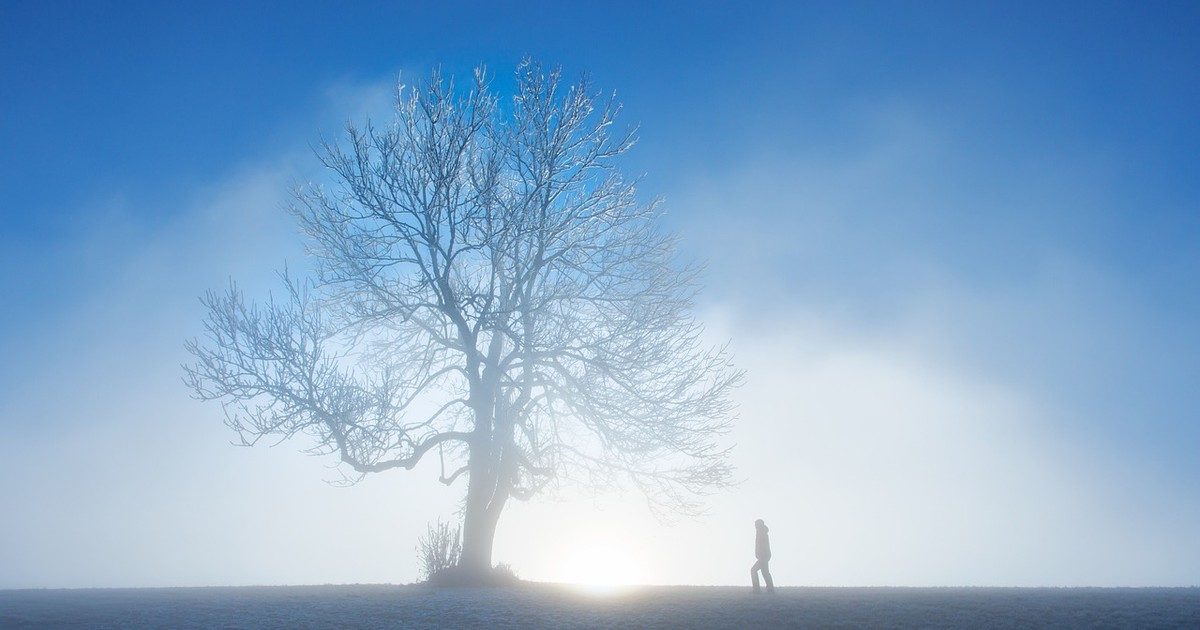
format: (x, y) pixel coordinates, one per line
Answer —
(487, 287)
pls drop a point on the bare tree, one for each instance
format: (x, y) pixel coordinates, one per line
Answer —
(486, 286)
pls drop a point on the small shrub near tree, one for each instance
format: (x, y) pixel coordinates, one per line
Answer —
(438, 550)
(503, 571)
(439, 554)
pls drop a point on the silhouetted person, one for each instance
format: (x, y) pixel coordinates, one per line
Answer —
(762, 552)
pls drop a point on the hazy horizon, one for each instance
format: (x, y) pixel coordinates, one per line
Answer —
(956, 249)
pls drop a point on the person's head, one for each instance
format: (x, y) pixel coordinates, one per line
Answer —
(760, 524)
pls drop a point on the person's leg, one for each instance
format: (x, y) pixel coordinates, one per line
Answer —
(766, 571)
(754, 576)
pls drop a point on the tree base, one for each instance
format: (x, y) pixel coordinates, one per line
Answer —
(461, 576)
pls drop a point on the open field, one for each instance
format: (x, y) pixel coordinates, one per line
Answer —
(541, 605)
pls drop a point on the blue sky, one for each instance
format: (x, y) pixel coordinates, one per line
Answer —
(957, 246)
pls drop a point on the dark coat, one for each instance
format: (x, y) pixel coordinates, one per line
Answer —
(762, 544)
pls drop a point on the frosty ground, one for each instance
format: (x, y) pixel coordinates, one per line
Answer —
(544, 605)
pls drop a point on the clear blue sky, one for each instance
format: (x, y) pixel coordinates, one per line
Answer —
(988, 210)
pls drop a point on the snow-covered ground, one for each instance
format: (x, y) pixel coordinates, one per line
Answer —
(540, 605)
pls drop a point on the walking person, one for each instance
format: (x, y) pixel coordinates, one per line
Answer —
(762, 553)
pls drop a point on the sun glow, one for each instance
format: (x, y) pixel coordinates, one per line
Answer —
(600, 568)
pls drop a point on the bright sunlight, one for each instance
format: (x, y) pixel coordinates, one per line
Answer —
(600, 567)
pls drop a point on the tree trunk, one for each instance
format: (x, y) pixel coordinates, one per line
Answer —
(485, 498)
(479, 522)
(479, 528)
